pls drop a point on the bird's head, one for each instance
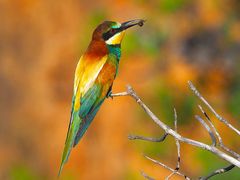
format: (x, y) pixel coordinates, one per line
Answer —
(112, 32)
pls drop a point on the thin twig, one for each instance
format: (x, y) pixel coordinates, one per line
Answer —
(220, 118)
(134, 137)
(218, 135)
(214, 141)
(218, 171)
(146, 176)
(177, 142)
(166, 167)
(119, 94)
(178, 148)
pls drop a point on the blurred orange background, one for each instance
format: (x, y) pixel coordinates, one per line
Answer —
(40, 44)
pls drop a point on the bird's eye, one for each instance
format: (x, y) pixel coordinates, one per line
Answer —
(112, 31)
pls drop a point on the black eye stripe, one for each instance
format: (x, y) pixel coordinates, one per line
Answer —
(111, 33)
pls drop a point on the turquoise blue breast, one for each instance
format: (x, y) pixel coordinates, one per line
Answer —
(116, 50)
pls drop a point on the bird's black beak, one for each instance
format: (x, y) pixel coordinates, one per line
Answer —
(131, 23)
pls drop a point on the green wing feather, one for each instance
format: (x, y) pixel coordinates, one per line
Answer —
(89, 99)
(90, 104)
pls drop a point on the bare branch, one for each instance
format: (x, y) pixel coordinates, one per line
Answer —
(218, 171)
(171, 132)
(214, 141)
(178, 138)
(134, 137)
(220, 118)
(146, 176)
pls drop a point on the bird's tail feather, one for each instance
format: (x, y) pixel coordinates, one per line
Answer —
(72, 132)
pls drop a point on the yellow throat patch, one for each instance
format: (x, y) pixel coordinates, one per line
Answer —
(116, 39)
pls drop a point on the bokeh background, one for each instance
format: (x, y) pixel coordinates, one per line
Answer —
(40, 44)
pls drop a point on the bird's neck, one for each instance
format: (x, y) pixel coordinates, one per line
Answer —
(115, 49)
(97, 48)
(100, 49)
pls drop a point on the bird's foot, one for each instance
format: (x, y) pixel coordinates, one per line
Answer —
(109, 95)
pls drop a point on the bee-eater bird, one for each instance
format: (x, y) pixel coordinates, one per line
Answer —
(94, 76)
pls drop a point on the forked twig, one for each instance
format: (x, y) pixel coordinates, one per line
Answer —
(218, 135)
(220, 118)
(166, 167)
(214, 141)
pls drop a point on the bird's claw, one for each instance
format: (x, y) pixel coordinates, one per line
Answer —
(109, 95)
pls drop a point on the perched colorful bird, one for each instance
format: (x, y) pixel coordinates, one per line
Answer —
(94, 76)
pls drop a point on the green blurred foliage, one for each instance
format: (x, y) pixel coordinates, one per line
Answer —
(212, 163)
(233, 174)
(130, 175)
(22, 172)
(145, 42)
(171, 6)
(185, 108)
(234, 93)
(165, 100)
